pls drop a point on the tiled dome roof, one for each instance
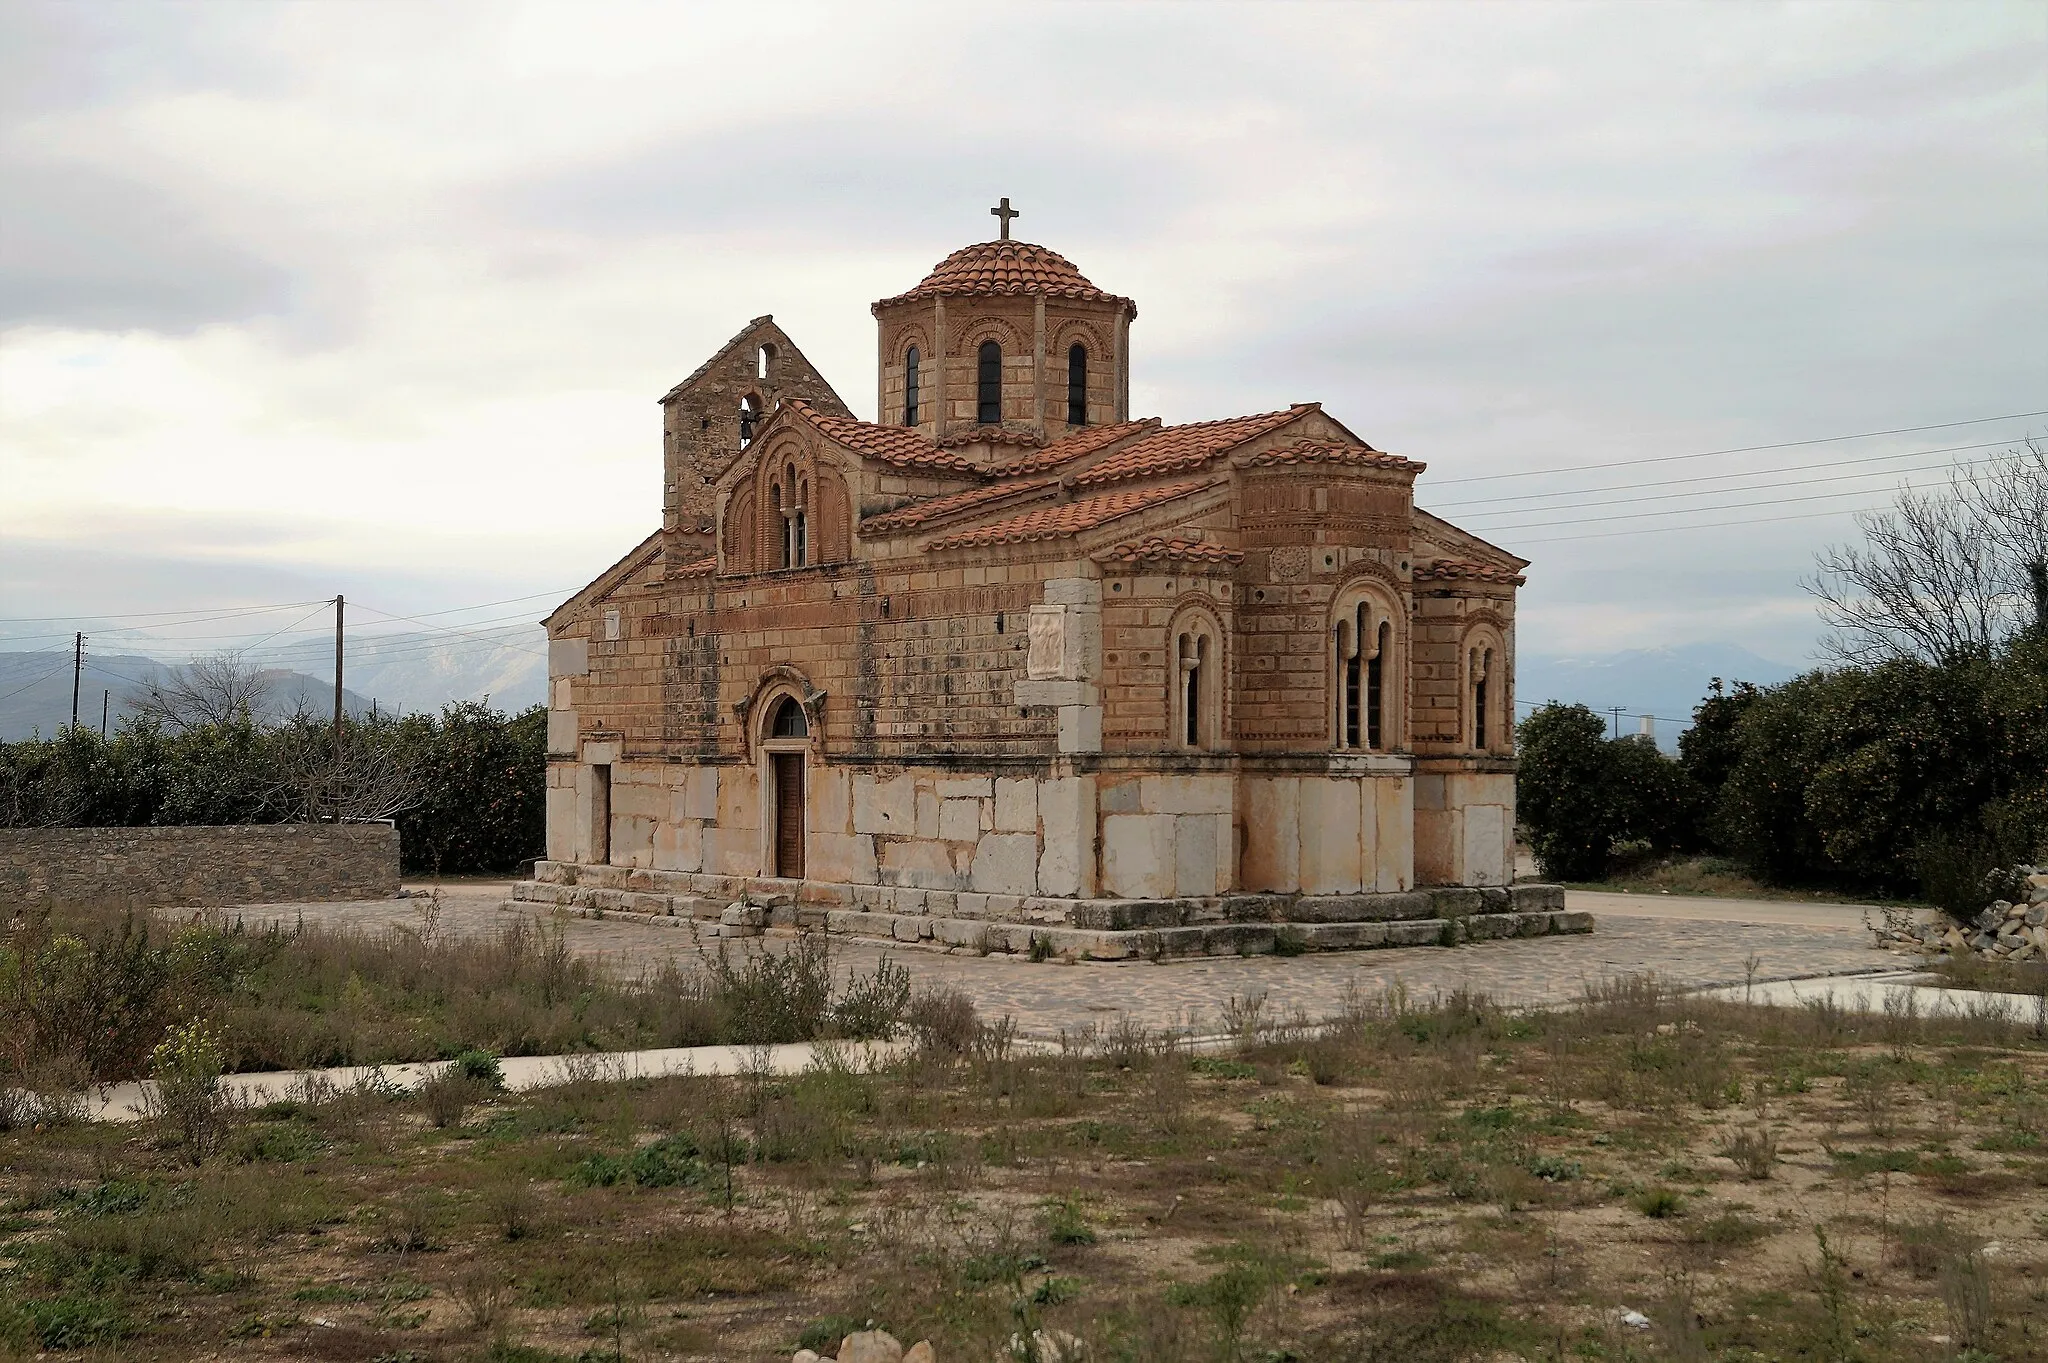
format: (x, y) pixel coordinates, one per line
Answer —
(1005, 267)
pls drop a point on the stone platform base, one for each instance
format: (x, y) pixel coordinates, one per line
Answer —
(1073, 929)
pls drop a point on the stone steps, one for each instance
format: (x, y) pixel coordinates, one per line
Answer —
(1102, 930)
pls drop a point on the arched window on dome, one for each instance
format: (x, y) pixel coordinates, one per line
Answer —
(1077, 385)
(989, 407)
(910, 381)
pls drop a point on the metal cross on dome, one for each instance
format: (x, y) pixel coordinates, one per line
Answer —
(1005, 212)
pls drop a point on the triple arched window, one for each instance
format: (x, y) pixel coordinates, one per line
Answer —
(910, 382)
(989, 384)
(1077, 385)
(791, 497)
(1367, 685)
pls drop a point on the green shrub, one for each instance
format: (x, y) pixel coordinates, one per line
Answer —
(482, 1067)
(668, 1162)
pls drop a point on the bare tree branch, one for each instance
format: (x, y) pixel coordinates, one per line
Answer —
(214, 690)
(374, 778)
(1943, 575)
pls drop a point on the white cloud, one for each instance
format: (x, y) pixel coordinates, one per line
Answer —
(326, 289)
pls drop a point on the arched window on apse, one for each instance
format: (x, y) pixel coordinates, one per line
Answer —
(1365, 645)
(989, 386)
(1077, 385)
(1480, 668)
(750, 419)
(910, 383)
(1194, 702)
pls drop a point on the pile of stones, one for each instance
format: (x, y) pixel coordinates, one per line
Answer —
(871, 1346)
(879, 1346)
(2008, 929)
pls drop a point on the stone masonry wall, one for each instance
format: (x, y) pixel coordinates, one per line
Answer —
(181, 867)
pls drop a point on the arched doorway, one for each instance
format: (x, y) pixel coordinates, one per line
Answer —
(785, 749)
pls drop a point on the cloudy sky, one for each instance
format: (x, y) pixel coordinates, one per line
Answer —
(379, 298)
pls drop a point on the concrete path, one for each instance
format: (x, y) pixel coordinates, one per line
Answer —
(1905, 993)
(1693, 943)
(131, 1101)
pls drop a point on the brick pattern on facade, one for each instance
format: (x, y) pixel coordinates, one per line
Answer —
(1103, 660)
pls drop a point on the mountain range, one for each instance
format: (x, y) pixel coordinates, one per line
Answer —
(35, 688)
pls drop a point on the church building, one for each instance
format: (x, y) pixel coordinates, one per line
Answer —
(1011, 669)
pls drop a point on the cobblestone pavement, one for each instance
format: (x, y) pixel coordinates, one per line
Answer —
(1046, 998)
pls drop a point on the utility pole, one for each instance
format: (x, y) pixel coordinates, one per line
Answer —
(105, 696)
(77, 667)
(1617, 719)
(337, 706)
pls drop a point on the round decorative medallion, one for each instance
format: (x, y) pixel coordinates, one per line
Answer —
(1290, 563)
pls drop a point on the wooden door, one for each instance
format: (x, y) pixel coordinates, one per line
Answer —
(789, 815)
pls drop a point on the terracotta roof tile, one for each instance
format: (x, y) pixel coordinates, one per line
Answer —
(1006, 267)
(1322, 452)
(1066, 519)
(1453, 570)
(914, 514)
(1075, 445)
(988, 435)
(898, 445)
(698, 567)
(1173, 449)
(1158, 547)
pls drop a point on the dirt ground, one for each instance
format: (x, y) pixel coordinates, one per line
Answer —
(1426, 1182)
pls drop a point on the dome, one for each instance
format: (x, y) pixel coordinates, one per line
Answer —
(1005, 267)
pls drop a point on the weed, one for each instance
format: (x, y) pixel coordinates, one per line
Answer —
(1754, 1150)
(190, 1102)
(1064, 1223)
(1965, 1283)
(944, 1021)
(1659, 1202)
(483, 1297)
(1243, 1015)
(447, 1096)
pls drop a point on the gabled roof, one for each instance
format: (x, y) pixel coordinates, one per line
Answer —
(928, 509)
(898, 445)
(1075, 445)
(1464, 542)
(1157, 548)
(1006, 267)
(607, 581)
(1068, 518)
(1173, 449)
(1325, 452)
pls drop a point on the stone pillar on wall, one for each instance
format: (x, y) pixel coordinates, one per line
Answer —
(938, 366)
(1064, 660)
(1038, 365)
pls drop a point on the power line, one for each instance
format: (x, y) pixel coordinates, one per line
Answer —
(224, 614)
(1701, 525)
(1743, 473)
(1738, 449)
(1679, 511)
(1487, 516)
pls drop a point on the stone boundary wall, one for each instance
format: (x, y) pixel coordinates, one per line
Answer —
(183, 867)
